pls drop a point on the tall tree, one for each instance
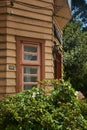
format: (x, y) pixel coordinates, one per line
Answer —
(79, 11)
(75, 56)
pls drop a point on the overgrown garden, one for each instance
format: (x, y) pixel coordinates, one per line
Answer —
(37, 110)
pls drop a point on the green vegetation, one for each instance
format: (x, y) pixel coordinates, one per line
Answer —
(34, 110)
(75, 47)
(75, 56)
(79, 12)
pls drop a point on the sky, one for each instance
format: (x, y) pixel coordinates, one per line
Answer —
(69, 1)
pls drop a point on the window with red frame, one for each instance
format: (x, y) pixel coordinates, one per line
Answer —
(31, 65)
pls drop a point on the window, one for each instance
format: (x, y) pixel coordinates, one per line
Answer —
(30, 63)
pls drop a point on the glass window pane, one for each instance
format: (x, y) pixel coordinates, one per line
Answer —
(30, 57)
(30, 70)
(30, 79)
(29, 86)
(30, 49)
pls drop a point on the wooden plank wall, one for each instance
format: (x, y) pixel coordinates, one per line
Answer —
(2, 49)
(30, 18)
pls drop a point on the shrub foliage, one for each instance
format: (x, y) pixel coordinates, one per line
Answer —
(34, 110)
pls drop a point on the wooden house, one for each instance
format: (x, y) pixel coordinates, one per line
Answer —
(30, 42)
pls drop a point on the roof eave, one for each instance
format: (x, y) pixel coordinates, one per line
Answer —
(62, 12)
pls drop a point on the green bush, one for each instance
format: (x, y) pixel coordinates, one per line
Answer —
(83, 107)
(33, 110)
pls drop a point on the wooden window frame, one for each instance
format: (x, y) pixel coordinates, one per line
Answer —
(29, 63)
(37, 62)
(19, 61)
